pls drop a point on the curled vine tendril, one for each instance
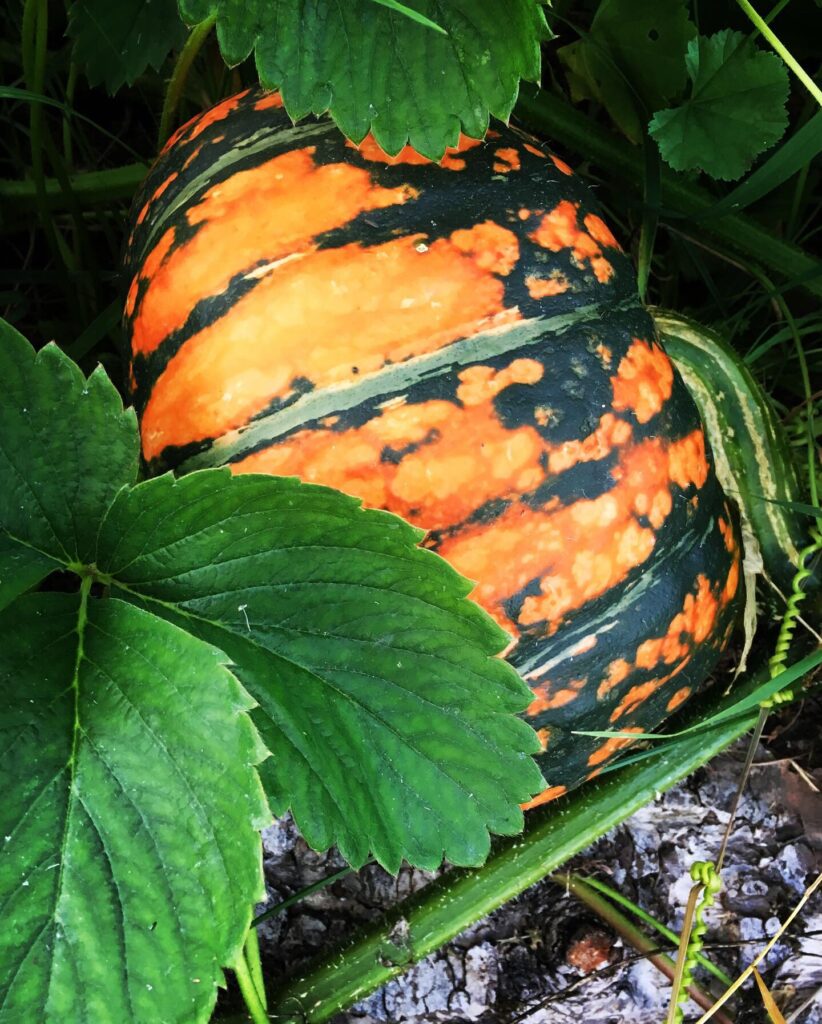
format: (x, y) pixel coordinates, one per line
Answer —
(705, 874)
(798, 594)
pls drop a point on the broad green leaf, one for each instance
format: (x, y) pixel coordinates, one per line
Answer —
(800, 149)
(66, 448)
(392, 727)
(21, 568)
(735, 111)
(631, 58)
(117, 40)
(377, 70)
(130, 860)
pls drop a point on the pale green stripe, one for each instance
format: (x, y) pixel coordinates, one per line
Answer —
(393, 381)
(270, 140)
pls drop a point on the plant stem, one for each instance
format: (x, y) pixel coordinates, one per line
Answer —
(249, 991)
(251, 953)
(650, 215)
(460, 898)
(782, 50)
(574, 130)
(88, 188)
(193, 44)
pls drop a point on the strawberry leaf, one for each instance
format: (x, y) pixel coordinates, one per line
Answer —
(377, 69)
(116, 42)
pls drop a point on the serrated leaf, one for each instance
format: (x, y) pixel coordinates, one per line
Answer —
(736, 109)
(377, 70)
(21, 568)
(390, 723)
(129, 859)
(115, 42)
(630, 58)
(66, 448)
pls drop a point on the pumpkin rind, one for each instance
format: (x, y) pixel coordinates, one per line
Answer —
(461, 344)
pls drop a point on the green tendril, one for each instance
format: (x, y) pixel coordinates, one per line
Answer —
(789, 621)
(705, 874)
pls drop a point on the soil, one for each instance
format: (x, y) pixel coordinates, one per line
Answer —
(546, 959)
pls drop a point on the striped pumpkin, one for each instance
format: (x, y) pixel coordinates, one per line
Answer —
(460, 343)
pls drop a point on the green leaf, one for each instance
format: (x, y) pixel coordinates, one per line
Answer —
(117, 41)
(130, 859)
(377, 70)
(392, 727)
(66, 448)
(801, 148)
(631, 58)
(736, 109)
(21, 568)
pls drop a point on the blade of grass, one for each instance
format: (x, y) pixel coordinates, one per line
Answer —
(782, 50)
(408, 12)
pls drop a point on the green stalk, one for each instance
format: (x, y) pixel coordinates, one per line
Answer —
(251, 954)
(572, 129)
(759, 22)
(192, 47)
(89, 188)
(248, 990)
(650, 215)
(460, 898)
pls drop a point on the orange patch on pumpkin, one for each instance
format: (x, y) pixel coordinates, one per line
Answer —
(731, 583)
(551, 793)
(547, 699)
(643, 380)
(494, 248)
(273, 99)
(217, 113)
(559, 229)
(507, 159)
(611, 746)
(618, 670)
(233, 237)
(577, 552)
(561, 165)
(466, 456)
(611, 433)
(359, 306)
(370, 149)
(141, 216)
(678, 698)
(600, 232)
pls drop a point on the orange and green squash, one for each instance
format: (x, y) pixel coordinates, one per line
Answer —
(461, 343)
